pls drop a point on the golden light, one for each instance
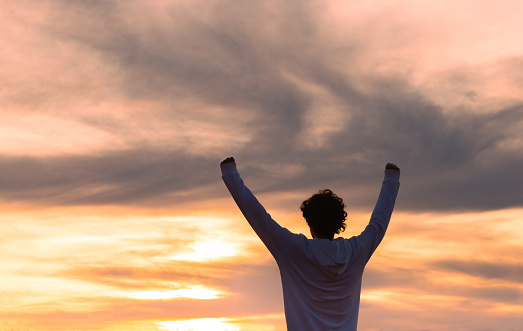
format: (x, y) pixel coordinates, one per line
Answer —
(196, 292)
(208, 249)
(508, 308)
(414, 300)
(208, 324)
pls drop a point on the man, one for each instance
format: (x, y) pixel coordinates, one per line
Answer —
(321, 277)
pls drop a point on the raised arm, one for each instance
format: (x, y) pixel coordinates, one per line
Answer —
(371, 237)
(270, 232)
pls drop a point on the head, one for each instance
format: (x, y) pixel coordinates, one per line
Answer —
(325, 214)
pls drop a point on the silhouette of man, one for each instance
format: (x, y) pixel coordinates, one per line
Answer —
(321, 277)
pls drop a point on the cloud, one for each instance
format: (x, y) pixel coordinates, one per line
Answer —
(259, 281)
(425, 280)
(277, 89)
(119, 177)
(484, 269)
(127, 108)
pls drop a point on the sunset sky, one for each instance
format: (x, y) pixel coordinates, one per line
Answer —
(115, 115)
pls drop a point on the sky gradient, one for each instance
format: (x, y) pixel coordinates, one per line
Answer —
(115, 115)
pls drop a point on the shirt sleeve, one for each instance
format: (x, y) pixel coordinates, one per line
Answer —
(271, 233)
(371, 237)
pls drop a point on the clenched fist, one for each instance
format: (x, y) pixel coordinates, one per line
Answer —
(392, 166)
(228, 160)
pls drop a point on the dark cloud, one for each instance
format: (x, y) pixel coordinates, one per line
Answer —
(423, 278)
(257, 67)
(509, 274)
(122, 177)
(486, 270)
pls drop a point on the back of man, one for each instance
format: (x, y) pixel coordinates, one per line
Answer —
(321, 281)
(321, 278)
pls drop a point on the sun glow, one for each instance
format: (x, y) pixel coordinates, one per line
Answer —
(508, 308)
(210, 249)
(208, 324)
(197, 292)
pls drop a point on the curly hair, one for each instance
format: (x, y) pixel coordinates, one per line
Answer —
(325, 213)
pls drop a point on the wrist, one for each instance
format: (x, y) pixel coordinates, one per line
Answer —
(228, 168)
(392, 174)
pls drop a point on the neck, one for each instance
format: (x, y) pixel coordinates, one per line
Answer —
(314, 236)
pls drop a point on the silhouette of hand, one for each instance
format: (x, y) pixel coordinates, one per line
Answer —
(228, 160)
(392, 166)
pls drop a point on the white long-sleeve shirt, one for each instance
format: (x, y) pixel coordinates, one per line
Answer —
(321, 278)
